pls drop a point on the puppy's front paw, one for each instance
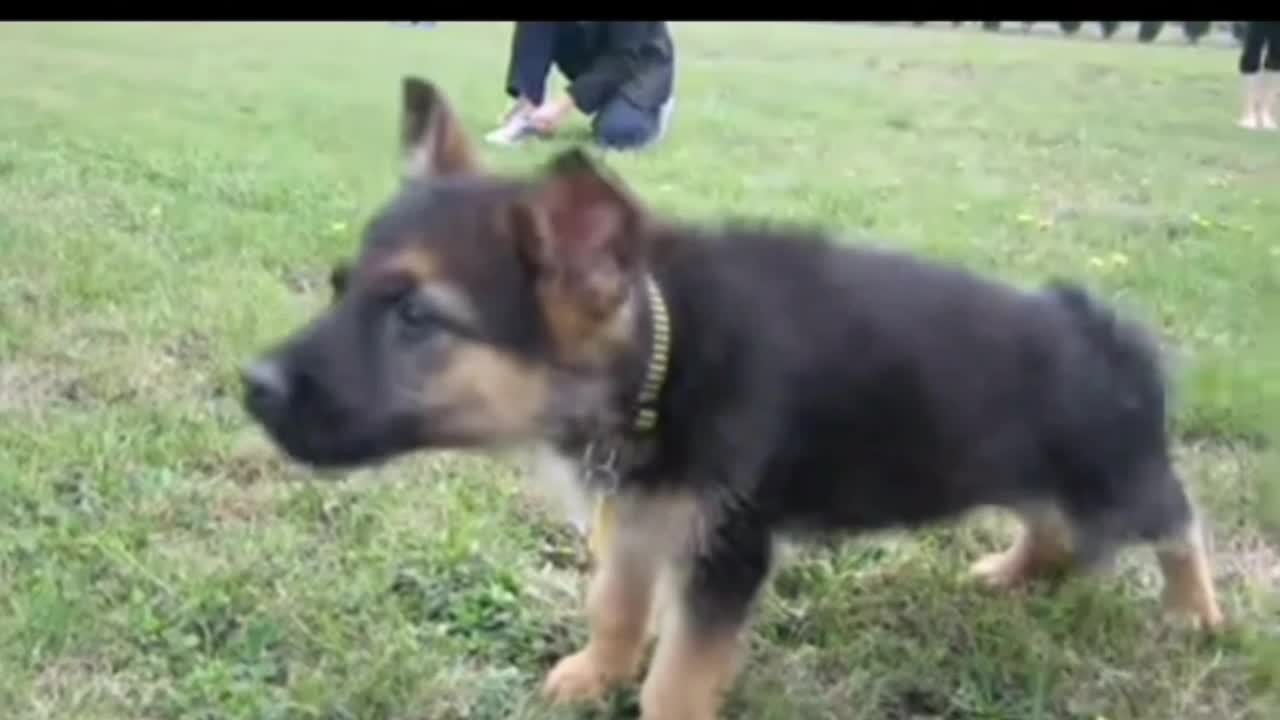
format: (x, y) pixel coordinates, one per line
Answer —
(1202, 608)
(1000, 571)
(577, 678)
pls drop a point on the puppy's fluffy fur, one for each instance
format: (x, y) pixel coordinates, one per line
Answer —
(812, 387)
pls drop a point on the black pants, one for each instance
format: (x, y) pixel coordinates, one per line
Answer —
(536, 46)
(1260, 39)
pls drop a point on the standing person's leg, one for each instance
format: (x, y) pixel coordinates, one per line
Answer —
(532, 49)
(1250, 70)
(1271, 76)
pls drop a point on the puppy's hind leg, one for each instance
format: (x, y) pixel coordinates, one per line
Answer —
(1188, 577)
(1042, 549)
(1184, 561)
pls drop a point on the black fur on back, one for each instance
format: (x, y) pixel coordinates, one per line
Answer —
(817, 386)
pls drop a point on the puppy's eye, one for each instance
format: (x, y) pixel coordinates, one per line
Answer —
(415, 312)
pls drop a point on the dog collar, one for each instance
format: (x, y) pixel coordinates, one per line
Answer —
(644, 421)
(609, 455)
(655, 374)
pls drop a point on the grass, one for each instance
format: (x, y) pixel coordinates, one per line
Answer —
(171, 197)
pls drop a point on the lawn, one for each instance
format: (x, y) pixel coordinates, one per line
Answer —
(171, 199)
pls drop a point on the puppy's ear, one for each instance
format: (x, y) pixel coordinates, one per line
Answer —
(582, 230)
(338, 278)
(432, 140)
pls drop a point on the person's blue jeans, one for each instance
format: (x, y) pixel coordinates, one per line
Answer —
(620, 125)
(533, 50)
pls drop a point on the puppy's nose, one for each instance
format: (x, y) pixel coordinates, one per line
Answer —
(266, 386)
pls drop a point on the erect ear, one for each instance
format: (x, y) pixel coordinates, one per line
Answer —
(581, 230)
(433, 141)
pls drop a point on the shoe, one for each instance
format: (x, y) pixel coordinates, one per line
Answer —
(519, 107)
(515, 130)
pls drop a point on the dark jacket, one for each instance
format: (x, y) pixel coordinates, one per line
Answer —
(601, 59)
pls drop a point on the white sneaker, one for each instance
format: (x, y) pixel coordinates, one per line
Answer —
(519, 107)
(515, 130)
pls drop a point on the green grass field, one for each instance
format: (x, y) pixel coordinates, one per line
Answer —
(171, 199)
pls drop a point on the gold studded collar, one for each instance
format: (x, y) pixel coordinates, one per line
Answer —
(646, 415)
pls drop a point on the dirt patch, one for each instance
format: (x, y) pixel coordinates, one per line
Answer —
(251, 460)
(247, 482)
(248, 503)
(84, 683)
(1247, 558)
(558, 544)
(305, 281)
(190, 349)
(29, 387)
(1225, 478)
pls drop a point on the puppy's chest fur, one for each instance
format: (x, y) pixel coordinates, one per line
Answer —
(668, 523)
(560, 477)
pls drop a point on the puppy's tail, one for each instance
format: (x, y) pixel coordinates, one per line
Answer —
(1125, 347)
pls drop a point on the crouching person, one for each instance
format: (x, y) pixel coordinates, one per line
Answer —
(621, 75)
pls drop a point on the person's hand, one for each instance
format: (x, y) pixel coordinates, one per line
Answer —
(551, 115)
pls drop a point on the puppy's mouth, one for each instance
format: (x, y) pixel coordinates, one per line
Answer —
(327, 452)
(340, 443)
(334, 453)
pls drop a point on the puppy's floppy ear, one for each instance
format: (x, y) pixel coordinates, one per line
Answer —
(432, 140)
(581, 228)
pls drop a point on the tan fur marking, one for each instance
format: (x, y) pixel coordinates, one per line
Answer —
(1043, 548)
(1188, 579)
(414, 262)
(690, 672)
(580, 335)
(667, 528)
(487, 396)
(618, 608)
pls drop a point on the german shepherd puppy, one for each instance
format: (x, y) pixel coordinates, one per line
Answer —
(724, 387)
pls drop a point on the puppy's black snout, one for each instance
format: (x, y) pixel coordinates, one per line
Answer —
(266, 387)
